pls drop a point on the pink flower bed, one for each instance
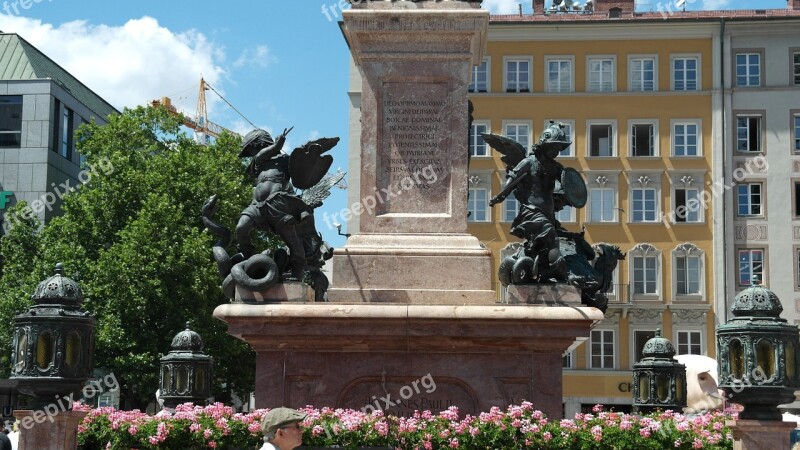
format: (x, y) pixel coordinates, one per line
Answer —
(518, 427)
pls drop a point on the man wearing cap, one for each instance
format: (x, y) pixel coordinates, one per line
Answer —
(282, 429)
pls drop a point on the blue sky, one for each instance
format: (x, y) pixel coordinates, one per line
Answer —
(281, 63)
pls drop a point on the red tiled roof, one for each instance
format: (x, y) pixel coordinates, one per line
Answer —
(744, 14)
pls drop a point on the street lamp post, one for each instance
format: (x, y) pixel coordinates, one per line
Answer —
(659, 381)
(185, 370)
(53, 357)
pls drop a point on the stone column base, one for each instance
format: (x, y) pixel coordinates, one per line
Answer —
(761, 434)
(37, 432)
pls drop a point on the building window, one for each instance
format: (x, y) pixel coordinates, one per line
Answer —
(640, 338)
(601, 139)
(796, 68)
(510, 208)
(566, 361)
(687, 273)
(687, 206)
(569, 126)
(748, 133)
(748, 69)
(519, 132)
(518, 75)
(643, 139)
(748, 196)
(602, 349)
(477, 205)
(751, 264)
(601, 205)
(685, 139)
(10, 120)
(645, 275)
(566, 215)
(690, 343)
(685, 74)
(797, 199)
(796, 133)
(65, 149)
(559, 75)
(601, 75)
(643, 74)
(644, 204)
(480, 77)
(477, 146)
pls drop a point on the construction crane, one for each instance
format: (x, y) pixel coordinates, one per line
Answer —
(203, 128)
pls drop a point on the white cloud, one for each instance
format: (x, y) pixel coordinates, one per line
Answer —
(127, 65)
(257, 57)
(711, 5)
(502, 6)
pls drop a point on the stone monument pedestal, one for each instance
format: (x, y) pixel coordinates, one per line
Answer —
(761, 434)
(401, 358)
(37, 432)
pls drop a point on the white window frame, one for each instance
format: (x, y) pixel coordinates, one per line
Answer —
(518, 58)
(673, 137)
(487, 148)
(750, 194)
(633, 59)
(518, 123)
(602, 180)
(684, 329)
(748, 66)
(558, 88)
(632, 329)
(613, 139)
(698, 70)
(795, 65)
(750, 251)
(612, 87)
(689, 250)
(644, 181)
(645, 250)
(474, 76)
(655, 138)
(760, 132)
(472, 198)
(687, 181)
(796, 133)
(615, 349)
(509, 213)
(568, 152)
(614, 194)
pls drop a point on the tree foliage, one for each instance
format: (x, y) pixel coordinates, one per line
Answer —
(132, 236)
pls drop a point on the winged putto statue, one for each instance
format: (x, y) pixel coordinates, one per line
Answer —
(550, 253)
(278, 209)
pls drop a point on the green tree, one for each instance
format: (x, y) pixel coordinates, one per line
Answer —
(132, 236)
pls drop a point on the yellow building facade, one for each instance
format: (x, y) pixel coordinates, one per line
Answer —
(638, 99)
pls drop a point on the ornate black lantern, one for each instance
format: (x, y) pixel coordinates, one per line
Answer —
(659, 381)
(758, 355)
(186, 371)
(54, 340)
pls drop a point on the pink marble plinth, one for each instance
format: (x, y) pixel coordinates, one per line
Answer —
(543, 294)
(290, 291)
(343, 355)
(761, 434)
(37, 432)
(413, 269)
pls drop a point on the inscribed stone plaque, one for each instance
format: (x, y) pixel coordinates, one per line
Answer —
(413, 168)
(402, 396)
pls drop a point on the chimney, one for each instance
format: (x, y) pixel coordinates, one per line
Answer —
(625, 7)
(538, 6)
